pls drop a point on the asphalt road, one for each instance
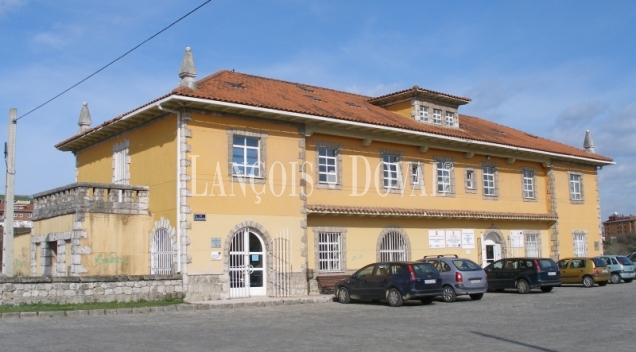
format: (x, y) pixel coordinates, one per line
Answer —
(567, 319)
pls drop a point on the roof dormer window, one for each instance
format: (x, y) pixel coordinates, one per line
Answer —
(437, 116)
(423, 114)
(450, 118)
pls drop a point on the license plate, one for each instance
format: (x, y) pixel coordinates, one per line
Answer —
(551, 273)
(430, 281)
(475, 281)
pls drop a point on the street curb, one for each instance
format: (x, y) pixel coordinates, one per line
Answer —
(216, 305)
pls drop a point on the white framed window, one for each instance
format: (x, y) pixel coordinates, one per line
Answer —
(443, 177)
(576, 189)
(528, 184)
(330, 251)
(580, 243)
(246, 156)
(470, 179)
(327, 165)
(533, 244)
(121, 162)
(393, 247)
(417, 178)
(437, 116)
(450, 118)
(391, 171)
(423, 113)
(489, 180)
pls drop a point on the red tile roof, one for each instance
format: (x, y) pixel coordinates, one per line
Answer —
(426, 213)
(239, 88)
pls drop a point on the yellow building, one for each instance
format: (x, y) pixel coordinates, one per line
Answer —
(253, 186)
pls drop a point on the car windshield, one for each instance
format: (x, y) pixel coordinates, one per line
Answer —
(466, 265)
(624, 260)
(599, 262)
(546, 263)
(424, 268)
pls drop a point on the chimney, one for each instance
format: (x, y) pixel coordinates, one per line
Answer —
(588, 144)
(84, 119)
(188, 71)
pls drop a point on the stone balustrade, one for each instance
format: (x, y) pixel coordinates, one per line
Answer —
(91, 197)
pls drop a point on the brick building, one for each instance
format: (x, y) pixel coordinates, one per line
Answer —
(619, 224)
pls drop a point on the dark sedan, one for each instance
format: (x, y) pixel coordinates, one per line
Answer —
(391, 281)
(523, 274)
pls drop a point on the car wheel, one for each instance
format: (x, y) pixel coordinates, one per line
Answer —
(523, 286)
(343, 295)
(546, 288)
(602, 283)
(615, 279)
(427, 300)
(394, 297)
(588, 281)
(628, 280)
(476, 296)
(449, 294)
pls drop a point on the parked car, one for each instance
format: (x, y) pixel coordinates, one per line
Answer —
(459, 276)
(587, 271)
(391, 281)
(523, 274)
(621, 268)
(632, 256)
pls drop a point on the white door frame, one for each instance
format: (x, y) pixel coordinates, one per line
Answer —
(242, 272)
(489, 241)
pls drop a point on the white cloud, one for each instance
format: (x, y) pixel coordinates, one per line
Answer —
(58, 37)
(9, 5)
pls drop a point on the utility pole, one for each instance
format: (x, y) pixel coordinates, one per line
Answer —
(9, 157)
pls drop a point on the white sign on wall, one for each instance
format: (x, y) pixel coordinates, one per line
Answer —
(468, 238)
(516, 239)
(436, 239)
(453, 239)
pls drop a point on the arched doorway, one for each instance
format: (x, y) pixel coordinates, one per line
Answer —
(247, 269)
(491, 248)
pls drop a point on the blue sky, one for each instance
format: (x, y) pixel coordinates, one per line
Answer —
(550, 68)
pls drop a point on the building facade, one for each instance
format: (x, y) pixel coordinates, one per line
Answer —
(253, 186)
(617, 225)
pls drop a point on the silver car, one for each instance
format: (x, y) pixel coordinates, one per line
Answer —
(459, 276)
(621, 268)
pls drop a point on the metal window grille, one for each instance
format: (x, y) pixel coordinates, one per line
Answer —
(246, 156)
(533, 245)
(437, 116)
(239, 268)
(391, 166)
(327, 166)
(281, 264)
(423, 113)
(580, 245)
(393, 247)
(489, 181)
(575, 187)
(450, 117)
(330, 251)
(528, 184)
(162, 253)
(443, 178)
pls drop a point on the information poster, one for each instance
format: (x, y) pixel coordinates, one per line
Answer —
(436, 239)
(453, 239)
(516, 239)
(468, 238)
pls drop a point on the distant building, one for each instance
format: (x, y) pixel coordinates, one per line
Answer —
(619, 224)
(23, 211)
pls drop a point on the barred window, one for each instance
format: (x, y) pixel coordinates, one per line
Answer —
(580, 244)
(533, 245)
(330, 251)
(393, 247)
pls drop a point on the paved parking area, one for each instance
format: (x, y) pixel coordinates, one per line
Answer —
(567, 319)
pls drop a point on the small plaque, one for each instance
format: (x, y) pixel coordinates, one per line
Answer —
(216, 242)
(216, 256)
(199, 217)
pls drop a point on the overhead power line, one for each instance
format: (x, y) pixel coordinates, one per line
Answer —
(117, 59)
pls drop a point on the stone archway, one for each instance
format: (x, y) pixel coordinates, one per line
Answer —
(162, 244)
(263, 234)
(493, 246)
(393, 239)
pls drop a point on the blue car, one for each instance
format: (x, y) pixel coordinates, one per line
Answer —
(394, 282)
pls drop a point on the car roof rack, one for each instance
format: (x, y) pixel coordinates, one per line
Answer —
(441, 256)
